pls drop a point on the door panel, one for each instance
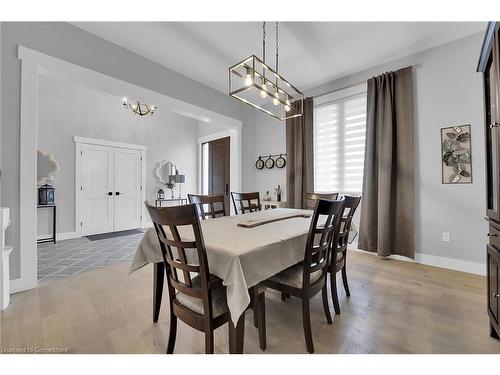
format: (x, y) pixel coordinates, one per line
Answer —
(492, 133)
(493, 282)
(97, 183)
(127, 189)
(219, 169)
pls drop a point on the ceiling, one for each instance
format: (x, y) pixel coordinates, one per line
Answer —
(311, 53)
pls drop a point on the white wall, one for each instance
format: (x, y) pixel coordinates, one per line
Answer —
(66, 110)
(447, 91)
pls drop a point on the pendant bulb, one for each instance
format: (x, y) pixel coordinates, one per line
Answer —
(263, 92)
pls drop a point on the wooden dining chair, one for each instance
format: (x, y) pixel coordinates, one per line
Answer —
(308, 278)
(338, 253)
(209, 206)
(246, 202)
(195, 296)
(311, 198)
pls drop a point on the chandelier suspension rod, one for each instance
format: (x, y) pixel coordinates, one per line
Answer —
(277, 42)
(264, 42)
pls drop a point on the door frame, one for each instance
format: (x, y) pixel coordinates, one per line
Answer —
(79, 141)
(234, 158)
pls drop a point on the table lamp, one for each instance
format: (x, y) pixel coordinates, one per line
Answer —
(180, 179)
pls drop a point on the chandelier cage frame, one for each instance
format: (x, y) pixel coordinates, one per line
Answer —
(255, 83)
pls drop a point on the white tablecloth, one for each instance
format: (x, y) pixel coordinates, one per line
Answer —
(241, 257)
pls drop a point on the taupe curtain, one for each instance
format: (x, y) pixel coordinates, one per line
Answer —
(300, 158)
(387, 207)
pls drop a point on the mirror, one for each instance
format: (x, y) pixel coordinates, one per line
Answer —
(164, 170)
(47, 167)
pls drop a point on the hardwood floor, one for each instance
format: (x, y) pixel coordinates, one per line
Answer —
(395, 307)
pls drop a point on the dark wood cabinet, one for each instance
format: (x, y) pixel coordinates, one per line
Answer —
(489, 66)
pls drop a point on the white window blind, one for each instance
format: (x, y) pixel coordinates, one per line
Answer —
(339, 144)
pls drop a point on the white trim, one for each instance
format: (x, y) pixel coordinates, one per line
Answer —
(78, 183)
(105, 142)
(28, 177)
(143, 187)
(61, 236)
(437, 261)
(234, 158)
(340, 94)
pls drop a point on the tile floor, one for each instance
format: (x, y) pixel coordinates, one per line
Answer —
(70, 257)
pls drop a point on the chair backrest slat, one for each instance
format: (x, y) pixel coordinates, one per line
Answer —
(311, 198)
(209, 201)
(325, 225)
(246, 202)
(183, 221)
(351, 203)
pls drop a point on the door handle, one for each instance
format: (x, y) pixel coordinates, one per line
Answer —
(117, 193)
(110, 193)
(494, 124)
(227, 189)
(495, 295)
(491, 235)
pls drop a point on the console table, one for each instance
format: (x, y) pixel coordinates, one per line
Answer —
(180, 201)
(273, 204)
(53, 238)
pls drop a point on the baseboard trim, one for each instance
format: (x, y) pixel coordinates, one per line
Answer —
(20, 285)
(441, 262)
(61, 236)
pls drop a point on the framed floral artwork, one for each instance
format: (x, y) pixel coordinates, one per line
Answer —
(456, 162)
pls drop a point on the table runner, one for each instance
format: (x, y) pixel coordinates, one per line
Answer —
(279, 216)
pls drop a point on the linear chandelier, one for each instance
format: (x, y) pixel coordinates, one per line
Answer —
(139, 108)
(254, 82)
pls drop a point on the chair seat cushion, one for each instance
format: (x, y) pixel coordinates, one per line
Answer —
(293, 276)
(219, 301)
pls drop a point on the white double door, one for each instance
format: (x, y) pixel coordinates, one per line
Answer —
(111, 189)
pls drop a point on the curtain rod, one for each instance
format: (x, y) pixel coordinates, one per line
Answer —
(340, 88)
(415, 66)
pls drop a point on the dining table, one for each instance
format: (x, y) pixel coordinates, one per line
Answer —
(242, 250)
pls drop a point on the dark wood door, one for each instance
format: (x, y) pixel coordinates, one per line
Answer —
(218, 169)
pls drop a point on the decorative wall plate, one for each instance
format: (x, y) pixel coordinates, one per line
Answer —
(269, 162)
(280, 162)
(259, 164)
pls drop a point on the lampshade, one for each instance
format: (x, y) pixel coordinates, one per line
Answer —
(180, 178)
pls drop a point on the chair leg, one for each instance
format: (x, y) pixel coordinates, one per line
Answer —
(255, 316)
(306, 322)
(333, 287)
(344, 280)
(326, 308)
(209, 342)
(172, 334)
(261, 317)
(255, 310)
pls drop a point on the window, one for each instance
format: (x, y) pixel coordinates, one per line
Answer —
(339, 143)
